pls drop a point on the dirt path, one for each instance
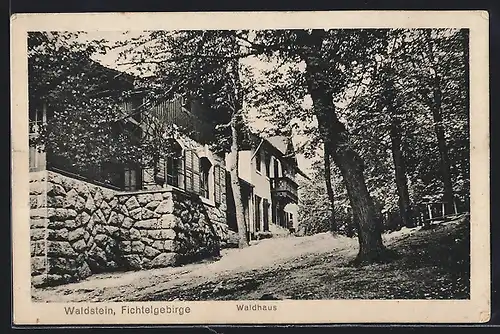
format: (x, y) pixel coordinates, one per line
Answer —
(432, 264)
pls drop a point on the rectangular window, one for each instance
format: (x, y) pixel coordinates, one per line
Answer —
(192, 173)
(132, 179)
(172, 171)
(258, 161)
(267, 161)
(265, 211)
(257, 213)
(205, 167)
(219, 183)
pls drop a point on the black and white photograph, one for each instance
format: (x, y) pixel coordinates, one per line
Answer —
(258, 166)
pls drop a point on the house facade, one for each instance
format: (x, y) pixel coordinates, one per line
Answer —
(174, 211)
(127, 217)
(268, 172)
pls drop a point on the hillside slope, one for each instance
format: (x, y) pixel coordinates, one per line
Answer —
(432, 264)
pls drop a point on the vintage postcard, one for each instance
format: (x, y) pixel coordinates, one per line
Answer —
(250, 168)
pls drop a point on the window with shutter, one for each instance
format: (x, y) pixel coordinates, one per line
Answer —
(192, 172)
(217, 182)
(196, 173)
(222, 183)
(188, 175)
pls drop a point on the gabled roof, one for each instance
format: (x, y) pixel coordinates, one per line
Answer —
(280, 143)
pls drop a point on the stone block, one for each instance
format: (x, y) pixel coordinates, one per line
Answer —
(152, 205)
(151, 252)
(38, 248)
(124, 234)
(134, 234)
(70, 200)
(60, 249)
(165, 206)
(113, 219)
(55, 201)
(82, 219)
(158, 244)
(143, 199)
(62, 265)
(98, 198)
(38, 265)
(56, 190)
(84, 270)
(96, 218)
(155, 234)
(147, 214)
(113, 231)
(56, 279)
(39, 280)
(121, 208)
(132, 203)
(105, 209)
(169, 221)
(76, 234)
(58, 235)
(123, 198)
(147, 241)
(108, 194)
(40, 213)
(127, 222)
(136, 213)
(90, 205)
(137, 246)
(79, 245)
(82, 189)
(158, 197)
(37, 234)
(113, 203)
(147, 224)
(168, 234)
(170, 246)
(133, 261)
(164, 260)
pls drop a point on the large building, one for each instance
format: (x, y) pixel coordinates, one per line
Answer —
(117, 216)
(268, 172)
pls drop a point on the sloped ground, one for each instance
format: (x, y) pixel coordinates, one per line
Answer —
(432, 264)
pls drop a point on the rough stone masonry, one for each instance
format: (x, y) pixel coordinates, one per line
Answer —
(79, 229)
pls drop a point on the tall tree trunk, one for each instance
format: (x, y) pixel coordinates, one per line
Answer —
(329, 189)
(335, 137)
(443, 149)
(405, 211)
(436, 109)
(233, 159)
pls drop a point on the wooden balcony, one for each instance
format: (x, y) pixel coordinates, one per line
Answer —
(284, 188)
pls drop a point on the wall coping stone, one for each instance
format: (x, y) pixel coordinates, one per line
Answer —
(168, 189)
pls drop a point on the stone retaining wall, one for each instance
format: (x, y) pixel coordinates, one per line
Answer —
(78, 229)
